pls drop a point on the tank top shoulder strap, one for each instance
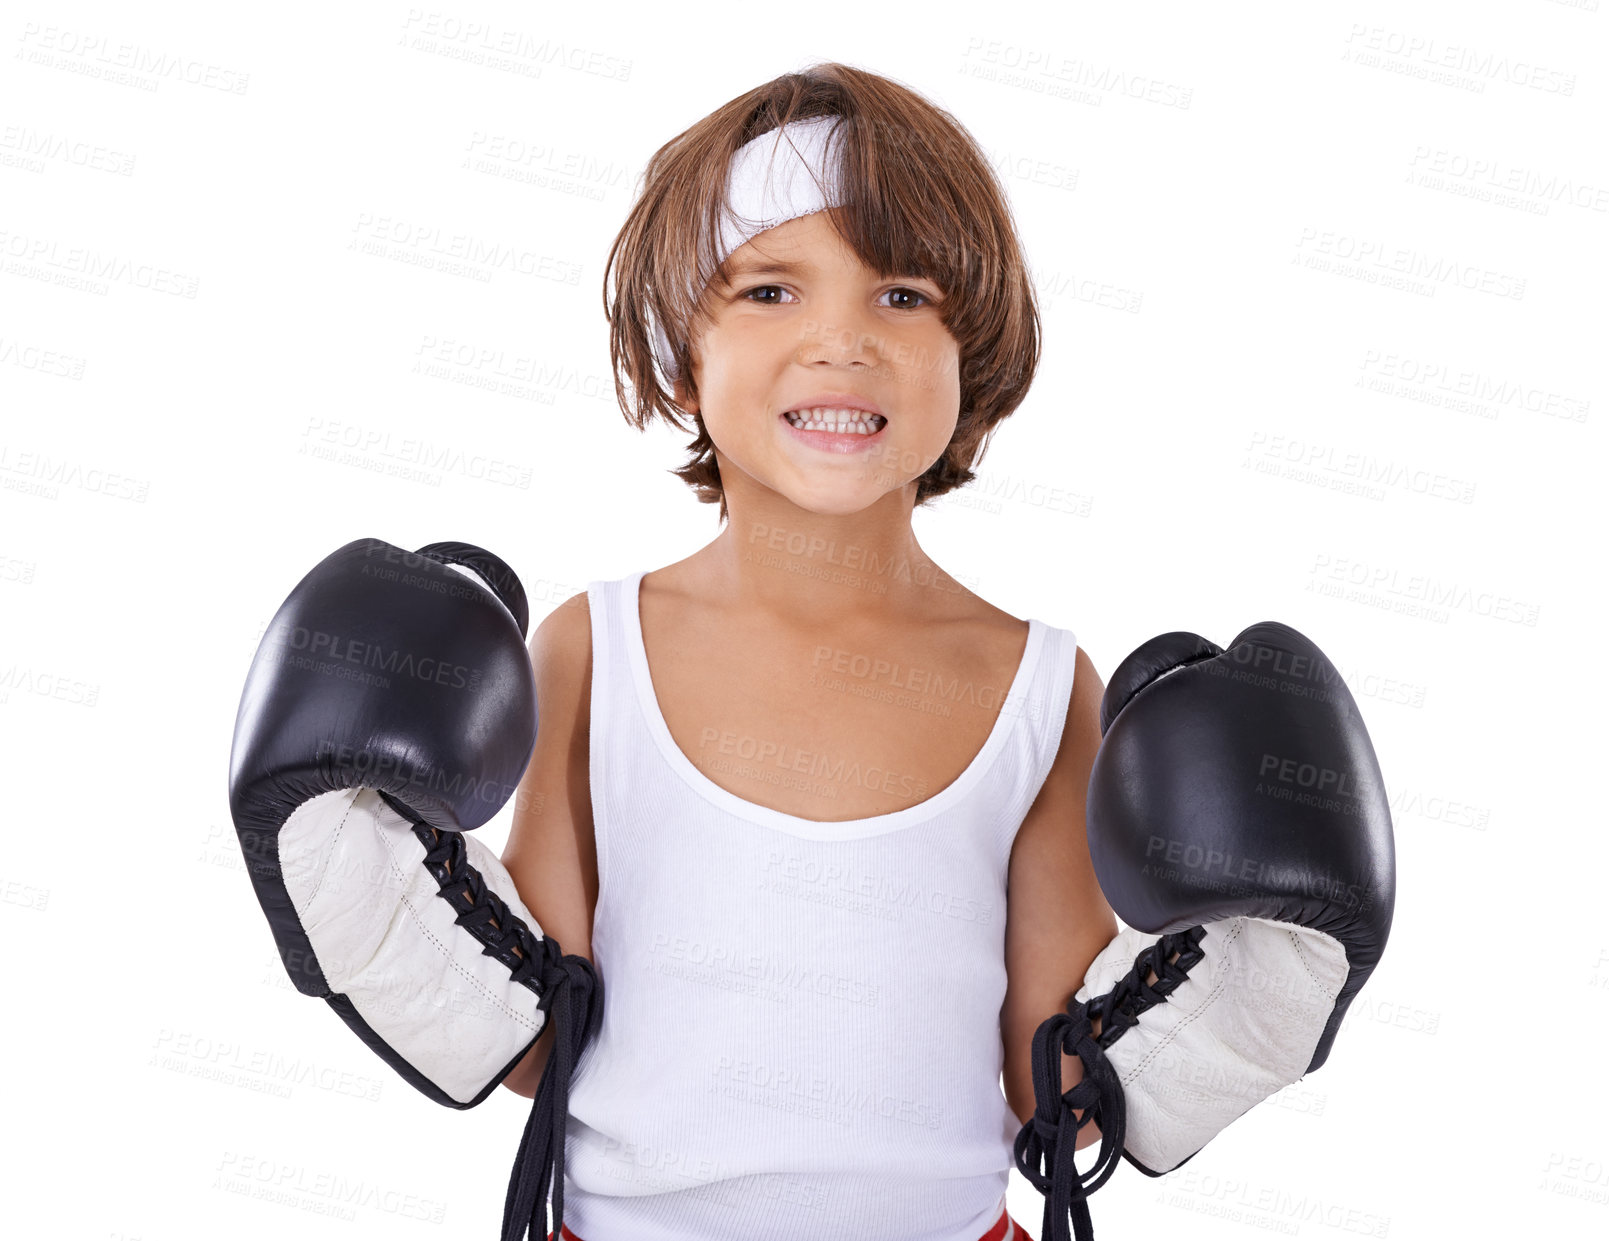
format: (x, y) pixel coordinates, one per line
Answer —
(1054, 685)
(1038, 733)
(612, 731)
(608, 636)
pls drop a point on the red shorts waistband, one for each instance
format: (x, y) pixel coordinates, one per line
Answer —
(1005, 1229)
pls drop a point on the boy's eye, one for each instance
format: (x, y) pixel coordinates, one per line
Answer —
(912, 293)
(901, 290)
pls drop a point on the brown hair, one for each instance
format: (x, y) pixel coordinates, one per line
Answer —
(920, 199)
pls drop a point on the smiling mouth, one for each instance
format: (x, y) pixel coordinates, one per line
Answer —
(836, 421)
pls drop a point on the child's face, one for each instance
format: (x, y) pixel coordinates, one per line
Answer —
(781, 340)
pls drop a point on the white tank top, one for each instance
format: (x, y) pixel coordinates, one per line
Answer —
(801, 1020)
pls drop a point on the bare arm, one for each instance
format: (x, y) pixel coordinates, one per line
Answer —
(1057, 920)
(550, 853)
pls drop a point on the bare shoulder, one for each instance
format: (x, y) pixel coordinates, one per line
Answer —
(1081, 734)
(563, 641)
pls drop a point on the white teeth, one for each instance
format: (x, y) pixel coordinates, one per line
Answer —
(851, 421)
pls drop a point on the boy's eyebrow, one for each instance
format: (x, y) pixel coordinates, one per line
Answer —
(779, 267)
(774, 267)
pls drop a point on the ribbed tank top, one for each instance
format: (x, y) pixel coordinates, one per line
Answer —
(801, 1023)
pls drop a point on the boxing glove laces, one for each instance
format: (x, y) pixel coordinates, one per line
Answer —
(1239, 826)
(390, 709)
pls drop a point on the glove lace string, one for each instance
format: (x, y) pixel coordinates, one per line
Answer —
(568, 990)
(1045, 1146)
(575, 995)
(1122, 1006)
(1048, 1140)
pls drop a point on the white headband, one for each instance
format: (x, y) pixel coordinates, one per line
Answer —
(771, 182)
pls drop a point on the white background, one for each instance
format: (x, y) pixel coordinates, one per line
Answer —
(1323, 305)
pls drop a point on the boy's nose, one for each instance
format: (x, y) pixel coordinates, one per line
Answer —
(851, 336)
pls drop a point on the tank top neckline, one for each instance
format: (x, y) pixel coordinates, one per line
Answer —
(1010, 709)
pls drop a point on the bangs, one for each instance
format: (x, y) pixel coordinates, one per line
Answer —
(903, 214)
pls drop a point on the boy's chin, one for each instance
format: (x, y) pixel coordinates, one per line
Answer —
(842, 497)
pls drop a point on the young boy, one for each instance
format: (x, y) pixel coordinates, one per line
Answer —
(785, 787)
(808, 848)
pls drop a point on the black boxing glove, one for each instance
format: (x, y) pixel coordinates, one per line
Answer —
(1238, 823)
(390, 707)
